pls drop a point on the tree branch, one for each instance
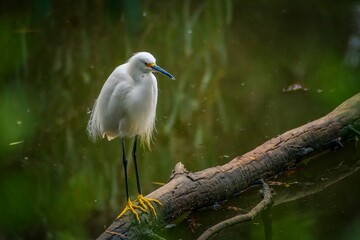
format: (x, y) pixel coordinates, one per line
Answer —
(187, 190)
(267, 201)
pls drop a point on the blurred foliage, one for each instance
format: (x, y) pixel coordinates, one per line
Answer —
(231, 60)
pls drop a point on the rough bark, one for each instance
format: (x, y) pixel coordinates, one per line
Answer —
(283, 192)
(187, 190)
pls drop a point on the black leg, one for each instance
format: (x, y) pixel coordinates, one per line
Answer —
(144, 203)
(125, 168)
(136, 167)
(130, 206)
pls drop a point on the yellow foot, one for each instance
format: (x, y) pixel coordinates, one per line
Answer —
(130, 206)
(146, 202)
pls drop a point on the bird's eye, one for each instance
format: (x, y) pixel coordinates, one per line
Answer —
(149, 64)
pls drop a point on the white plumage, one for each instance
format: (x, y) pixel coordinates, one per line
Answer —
(126, 105)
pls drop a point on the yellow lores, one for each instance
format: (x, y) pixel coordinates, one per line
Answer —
(126, 108)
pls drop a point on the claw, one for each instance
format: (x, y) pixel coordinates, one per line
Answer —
(146, 202)
(130, 206)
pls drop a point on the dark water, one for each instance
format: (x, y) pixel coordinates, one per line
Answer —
(231, 59)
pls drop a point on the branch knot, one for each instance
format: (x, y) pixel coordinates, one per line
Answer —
(178, 171)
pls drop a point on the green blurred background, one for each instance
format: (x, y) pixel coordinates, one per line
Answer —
(232, 61)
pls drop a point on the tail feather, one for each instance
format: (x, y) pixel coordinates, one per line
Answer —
(93, 126)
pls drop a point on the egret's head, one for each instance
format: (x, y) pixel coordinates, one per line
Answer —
(147, 63)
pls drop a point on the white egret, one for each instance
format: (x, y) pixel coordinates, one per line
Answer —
(126, 107)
